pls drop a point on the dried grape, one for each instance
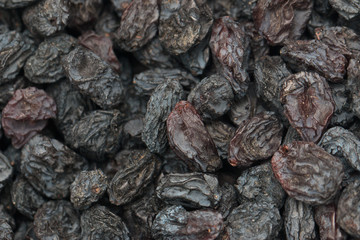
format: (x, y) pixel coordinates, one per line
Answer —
(26, 114)
(183, 24)
(50, 166)
(138, 24)
(190, 140)
(256, 139)
(307, 172)
(230, 47)
(308, 104)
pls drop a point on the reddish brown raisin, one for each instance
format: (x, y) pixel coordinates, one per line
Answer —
(230, 47)
(307, 172)
(190, 140)
(257, 138)
(26, 114)
(308, 104)
(279, 20)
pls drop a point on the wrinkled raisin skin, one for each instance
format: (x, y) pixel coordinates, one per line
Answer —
(307, 172)
(26, 114)
(308, 104)
(190, 140)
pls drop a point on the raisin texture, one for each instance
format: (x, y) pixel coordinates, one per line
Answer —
(7, 225)
(326, 219)
(139, 214)
(228, 199)
(83, 12)
(281, 20)
(26, 114)
(176, 223)
(343, 114)
(353, 85)
(340, 39)
(258, 184)
(348, 209)
(183, 24)
(57, 220)
(343, 144)
(94, 77)
(70, 104)
(6, 170)
(8, 89)
(98, 222)
(245, 107)
(256, 139)
(308, 104)
(299, 220)
(138, 24)
(269, 73)
(253, 220)
(46, 17)
(88, 187)
(15, 48)
(307, 172)
(230, 47)
(193, 190)
(132, 180)
(49, 166)
(190, 140)
(24, 197)
(196, 58)
(102, 46)
(107, 22)
(146, 81)
(212, 97)
(45, 65)
(154, 55)
(221, 133)
(96, 135)
(161, 102)
(10, 4)
(313, 55)
(347, 9)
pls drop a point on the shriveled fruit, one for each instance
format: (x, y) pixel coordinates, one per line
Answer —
(190, 140)
(307, 172)
(256, 139)
(26, 114)
(308, 104)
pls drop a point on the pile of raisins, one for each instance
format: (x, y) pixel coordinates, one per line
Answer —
(180, 119)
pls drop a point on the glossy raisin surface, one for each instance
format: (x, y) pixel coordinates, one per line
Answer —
(348, 209)
(50, 166)
(316, 56)
(190, 140)
(308, 104)
(307, 172)
(230, 49)
(281, 20)
(175, 222)
(101, 83)
(161, 103)
(212, 97)
(131, 181)
(256, 139)
(194, 190)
